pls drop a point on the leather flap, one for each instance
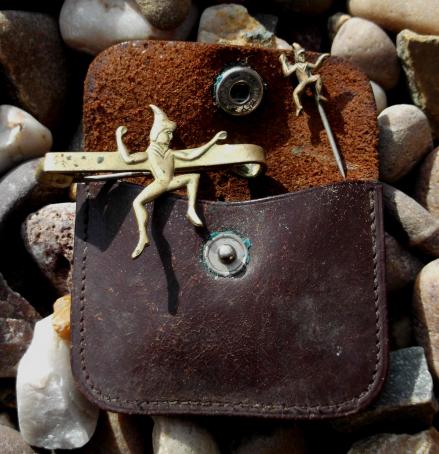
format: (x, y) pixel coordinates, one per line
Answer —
(301, 333)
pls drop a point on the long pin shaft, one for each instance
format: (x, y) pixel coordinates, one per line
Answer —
(331, 138)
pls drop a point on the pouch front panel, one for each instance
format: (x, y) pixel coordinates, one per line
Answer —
(299, 333)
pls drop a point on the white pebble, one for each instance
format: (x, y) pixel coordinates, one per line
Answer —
(21, 137)
(52, 413)
(93, 25)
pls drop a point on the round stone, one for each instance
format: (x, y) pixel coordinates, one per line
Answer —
(427, 183)
(164, 14)
(367, 46)
(380, 97)
(405, 137)
(417, 15)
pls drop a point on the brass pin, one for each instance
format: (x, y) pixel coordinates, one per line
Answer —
(304, 73)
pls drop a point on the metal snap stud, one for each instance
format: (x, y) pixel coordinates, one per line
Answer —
(238, 90)
(226, 254)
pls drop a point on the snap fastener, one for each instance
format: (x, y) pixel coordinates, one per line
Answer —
(226, 254)
(238, 90)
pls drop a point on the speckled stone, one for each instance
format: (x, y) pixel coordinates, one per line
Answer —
(32, 58)
(232, 24)
(417, 15)
(17, 320)
(419, 226)
(11, 442)
(402, 267)
(426, 442)
(164, 14)
(419, 55)
(426, 309)
(405, 138)
(48, 237)
(407, 394)
(427, 183)
(366, 45)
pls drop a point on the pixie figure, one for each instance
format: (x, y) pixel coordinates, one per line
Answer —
(303, 70)
(162, 164)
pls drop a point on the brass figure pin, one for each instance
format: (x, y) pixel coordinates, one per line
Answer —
(303, 70)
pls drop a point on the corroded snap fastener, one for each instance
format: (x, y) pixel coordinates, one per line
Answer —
(238, 90)
(226, 254)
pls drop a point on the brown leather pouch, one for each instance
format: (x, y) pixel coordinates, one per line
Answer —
(299, 333)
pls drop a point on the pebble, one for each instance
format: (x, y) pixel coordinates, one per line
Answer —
(407, 395)
(426, 442)
(17, 320)
(335, 22)
(93, 25)
(22, 137)
(232, 24)
(380, 97)
(288, 440)
(405, 138)
(419, 226)
(48, 237)
(426, 310)
(164, 14)
(181, 436)
(417, 15)
(419, 55)
(118, 433)
(6, 420)
(402, 267)
(367, 46)
(11, 442)
(32, 58)
(52, 413)
(61, 316)
(7, 395)
(19, 189)
(427, 183)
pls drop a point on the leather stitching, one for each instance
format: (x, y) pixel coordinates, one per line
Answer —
(271, 408)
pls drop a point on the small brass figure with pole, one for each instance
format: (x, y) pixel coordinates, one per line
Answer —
(304, 73)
